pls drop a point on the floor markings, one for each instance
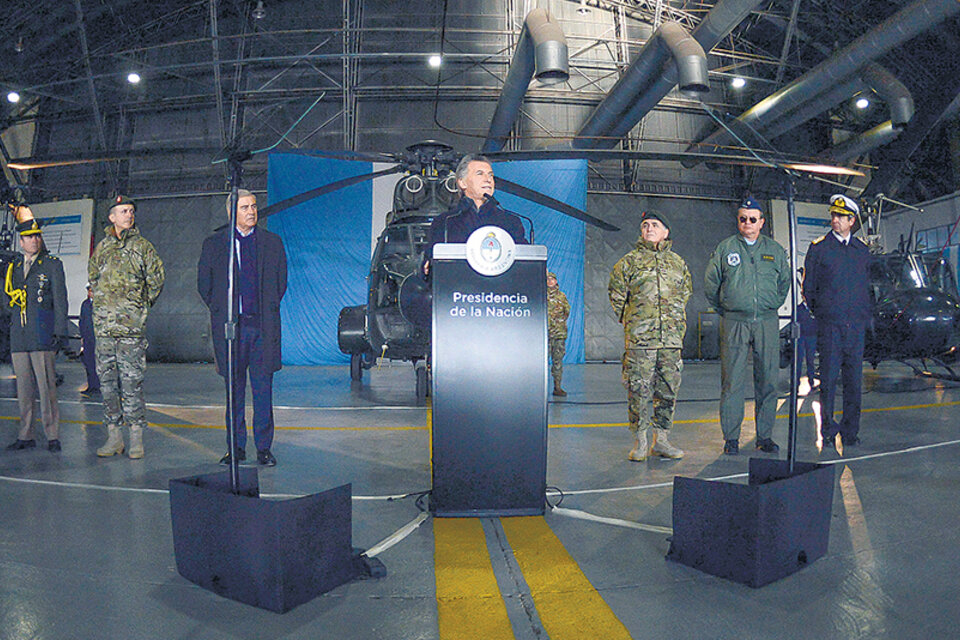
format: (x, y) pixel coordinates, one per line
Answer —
(569, 607)
(469, 603)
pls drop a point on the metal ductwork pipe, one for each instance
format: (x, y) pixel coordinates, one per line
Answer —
(670, 39)
(872, 76)
(541, 53)
(724, 16)
(812, 108)
(892, 32)
(892, 91)
(861, 144)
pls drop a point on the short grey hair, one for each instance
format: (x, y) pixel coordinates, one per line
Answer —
(465, 161)
(241, 193)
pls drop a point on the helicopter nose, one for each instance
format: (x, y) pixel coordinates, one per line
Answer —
(931, 317)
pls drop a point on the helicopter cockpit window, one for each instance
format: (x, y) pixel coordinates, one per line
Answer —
(940, 274)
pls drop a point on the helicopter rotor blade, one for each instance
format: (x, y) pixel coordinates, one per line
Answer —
(362, 156)
(283, 205)
(789, 162)
(535, 196)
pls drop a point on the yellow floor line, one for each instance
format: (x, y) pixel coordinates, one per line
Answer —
(469, 604)
(568, 605)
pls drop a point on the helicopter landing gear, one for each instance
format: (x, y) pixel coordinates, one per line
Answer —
(356, 366)
(423, 380)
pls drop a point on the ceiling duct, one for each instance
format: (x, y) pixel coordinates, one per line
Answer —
(669, 42)
(542, 54)
(861, 144)
(892, 32)
(724, 16)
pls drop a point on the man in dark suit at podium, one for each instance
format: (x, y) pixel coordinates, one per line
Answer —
(476, 208)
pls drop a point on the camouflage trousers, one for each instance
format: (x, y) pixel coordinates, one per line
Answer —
(558, 349)
(120, 365)
(651, 374)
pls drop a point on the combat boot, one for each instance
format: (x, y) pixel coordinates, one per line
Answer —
(136, 443)
(557, 391)
(662, 446)
(640, 450)
(114, 444)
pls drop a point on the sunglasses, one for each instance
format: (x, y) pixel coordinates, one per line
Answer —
(750, 219)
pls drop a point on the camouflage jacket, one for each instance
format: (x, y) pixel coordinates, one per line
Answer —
(649, 288)
(558, 310)
(126, 276)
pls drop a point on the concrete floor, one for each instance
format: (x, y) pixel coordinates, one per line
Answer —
(86, 548)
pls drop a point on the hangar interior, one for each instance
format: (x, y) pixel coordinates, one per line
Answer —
(270, 76)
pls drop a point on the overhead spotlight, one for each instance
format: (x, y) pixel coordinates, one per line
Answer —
(18, 47)
(583, 9)
(738, 83)
(259, 13)
(862, 103)
(13, 97)
(133, 77)
(434, 60)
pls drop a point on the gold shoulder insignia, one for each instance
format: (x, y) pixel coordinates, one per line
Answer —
(820, 239)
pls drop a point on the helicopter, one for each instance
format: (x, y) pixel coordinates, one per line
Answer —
(395, 321)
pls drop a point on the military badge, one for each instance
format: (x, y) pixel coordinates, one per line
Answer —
(733, 259)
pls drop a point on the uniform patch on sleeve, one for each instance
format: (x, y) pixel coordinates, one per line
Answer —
(766, 257)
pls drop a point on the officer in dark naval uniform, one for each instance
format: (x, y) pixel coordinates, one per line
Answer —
(35, 288)
(836, 287)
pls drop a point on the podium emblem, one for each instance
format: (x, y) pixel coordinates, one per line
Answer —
(490, 251)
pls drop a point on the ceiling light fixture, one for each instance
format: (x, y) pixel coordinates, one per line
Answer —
(583, 9)
(738, 83)
(434, 60)
(862, 103)
(259, 13)
(133, 77)
(19, 46)
(13, 97)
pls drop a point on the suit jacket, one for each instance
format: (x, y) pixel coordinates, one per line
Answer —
(836, 282)
(46, 317)
(272, 276)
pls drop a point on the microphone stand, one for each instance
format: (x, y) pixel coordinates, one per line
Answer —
(235, 160)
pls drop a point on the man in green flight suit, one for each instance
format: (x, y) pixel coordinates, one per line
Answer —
(558, 310)
(649, 289)
(747, 279)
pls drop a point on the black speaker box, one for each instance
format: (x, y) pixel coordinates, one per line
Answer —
(272, 554)
(754, 533)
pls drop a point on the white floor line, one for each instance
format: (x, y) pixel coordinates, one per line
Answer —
(220, 407)
(638, 487)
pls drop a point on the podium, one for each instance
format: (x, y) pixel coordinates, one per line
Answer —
(489, 425)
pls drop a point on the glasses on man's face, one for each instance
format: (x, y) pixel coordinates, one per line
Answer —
(750, 219)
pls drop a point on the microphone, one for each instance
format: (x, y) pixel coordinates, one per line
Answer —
(489, 198)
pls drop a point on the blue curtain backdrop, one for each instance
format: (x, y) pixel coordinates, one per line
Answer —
(564, 180)
(328, 251)
(328, 244)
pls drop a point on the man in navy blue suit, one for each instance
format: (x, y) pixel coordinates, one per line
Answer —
(476, 208)
(259, 284)
(837, 289)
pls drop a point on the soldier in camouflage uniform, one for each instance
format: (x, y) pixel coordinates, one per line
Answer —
(126, 276)
(649, 288)
(558, 310)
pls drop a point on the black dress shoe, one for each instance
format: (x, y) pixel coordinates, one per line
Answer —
(852, 441)
(241, 456)
(767, 445)
(731, 447)
(53, 446)
(90, 393)
(20, 445)
(829, 443)
(266, 458)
